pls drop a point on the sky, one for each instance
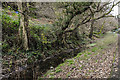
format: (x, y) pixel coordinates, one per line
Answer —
(115, 11)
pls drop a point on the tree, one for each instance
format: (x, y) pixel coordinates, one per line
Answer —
(88, 12)
(23, 17)
(70, 11)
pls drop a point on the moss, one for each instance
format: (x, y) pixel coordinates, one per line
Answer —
(68, 74)
(73, 66)
(46, 74)
(61, 65)
(52, 73)
(96, 53)
(81, 67)
(89, 53)
(70, 61)
(39, 78)
(51, 77)
(85, 55)
(58, 70)
(96, 61)
(91, 70)
(79, 54)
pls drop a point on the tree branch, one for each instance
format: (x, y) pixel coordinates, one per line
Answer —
(89, 20)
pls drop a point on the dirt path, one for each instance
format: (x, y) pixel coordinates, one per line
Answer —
(100, 61)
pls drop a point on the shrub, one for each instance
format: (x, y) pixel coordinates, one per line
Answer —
(9, 31)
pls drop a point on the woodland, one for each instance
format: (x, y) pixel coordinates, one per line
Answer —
(58, 40)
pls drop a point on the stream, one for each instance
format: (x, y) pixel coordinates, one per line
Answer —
(32, 71)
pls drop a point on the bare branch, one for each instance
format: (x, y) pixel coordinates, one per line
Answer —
(89, 20)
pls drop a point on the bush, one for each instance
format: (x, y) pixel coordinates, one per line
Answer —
(9, 32)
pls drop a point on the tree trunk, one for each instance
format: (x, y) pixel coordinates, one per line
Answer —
(23, 24)
(91, 31)
(26, 21)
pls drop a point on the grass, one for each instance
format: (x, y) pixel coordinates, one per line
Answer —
(108, 39)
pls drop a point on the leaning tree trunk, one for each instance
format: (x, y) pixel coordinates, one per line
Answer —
(91, 29)
(22, 7)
